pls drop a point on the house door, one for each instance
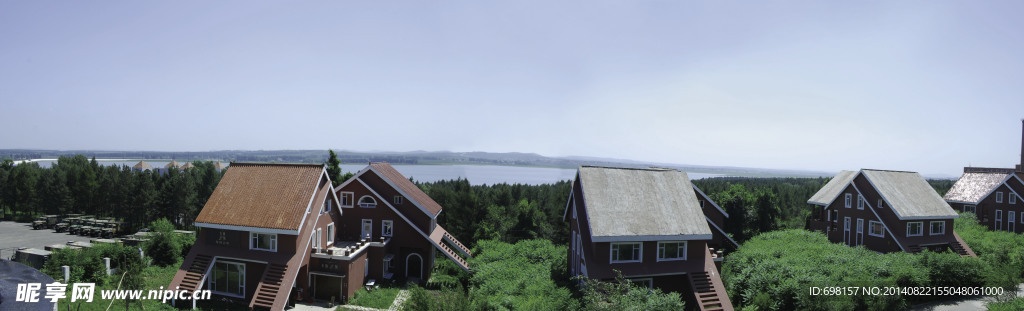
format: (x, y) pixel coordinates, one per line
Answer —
(860, 231)
(999, 220)
(846, 230)
(414, 266)
(1011, 219)
(367, 228)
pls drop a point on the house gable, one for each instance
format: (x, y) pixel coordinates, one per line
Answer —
(264, 197)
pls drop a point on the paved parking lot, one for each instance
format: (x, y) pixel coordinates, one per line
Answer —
(16, 234)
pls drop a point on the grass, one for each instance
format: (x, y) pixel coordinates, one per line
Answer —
(155, 277)
(380, 298)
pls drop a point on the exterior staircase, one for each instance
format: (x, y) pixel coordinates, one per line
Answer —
(914, 249)
(191, 279)
(269, 290)
(708, 288)
(442, 239)
(960, 247)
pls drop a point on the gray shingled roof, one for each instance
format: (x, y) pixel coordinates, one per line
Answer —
(909, 195)
(971, 188)
(626, 204)
(831, 190)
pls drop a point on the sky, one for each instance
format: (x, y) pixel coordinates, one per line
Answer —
(927, 86)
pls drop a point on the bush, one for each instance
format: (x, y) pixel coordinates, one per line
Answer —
(625, 295)
(519, 276)
(163, 245)
(444, 300)
(786, 264)
(380, 298)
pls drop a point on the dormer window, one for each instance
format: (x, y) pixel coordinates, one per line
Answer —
(849, 200)
(367, 201)
(999, 197)
(860, 201)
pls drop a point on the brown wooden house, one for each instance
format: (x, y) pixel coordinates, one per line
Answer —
(885, 211)
(271, 233)
(993, 196)
(653, 226)
(258, 230)
(379, 204)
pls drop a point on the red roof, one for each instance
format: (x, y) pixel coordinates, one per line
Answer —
(262, 195)
(407, 187)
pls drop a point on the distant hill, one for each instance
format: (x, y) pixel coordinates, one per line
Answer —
(410, 157)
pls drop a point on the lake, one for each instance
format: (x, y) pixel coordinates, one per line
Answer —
(476, 174)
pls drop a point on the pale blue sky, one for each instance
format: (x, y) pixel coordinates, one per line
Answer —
(928, 86)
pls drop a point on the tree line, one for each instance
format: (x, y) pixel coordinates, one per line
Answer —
(78, 185)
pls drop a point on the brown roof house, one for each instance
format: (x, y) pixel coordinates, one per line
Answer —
(380, 204)
(993, 194)
(653, 226)
(261, 229)
(142, 166)
(993, 197)
(885, 211)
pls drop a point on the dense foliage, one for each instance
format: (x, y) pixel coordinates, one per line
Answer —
(757, 205)
(504, 212)
(623, 294)
(1004, 251)
(76, 185)
(776, 270)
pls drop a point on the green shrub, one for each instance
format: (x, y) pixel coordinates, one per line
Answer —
(163, 245)
(519, 276)
(625, 295)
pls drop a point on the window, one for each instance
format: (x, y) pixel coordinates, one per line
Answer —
(881, 203)
(701, 203)
(675, 250)
(263, 241)
(387, 265)
(999, 197)
(398, 200)
(937, 228)
(386, 227)
(1013, 199)
(319, 238)
(347, 199)
(328, 203)
(849, 200)
(228, 278)
(914, 228)
(626, 252)
(875, 228)
(970, 208)
(860, 201)
(367, 201)
(330, 233)
(647, 283)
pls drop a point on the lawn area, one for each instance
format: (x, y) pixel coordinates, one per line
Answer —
(155, 277)
(380, 298)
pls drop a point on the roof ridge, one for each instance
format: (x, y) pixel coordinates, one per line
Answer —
(879, 170)
(273, 164)
(651, 168)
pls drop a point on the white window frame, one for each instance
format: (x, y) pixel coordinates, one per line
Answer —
(256, 235)
(385, 226)
(398, 200)
(860, 202)
(881, 229)
(329, 206)
(360, 203)
(211, 283)
(881, 203)
(849, 200)
(920, 228)
(319, 239)
(612, 251)
(931, 227)
(351, 199)
(999, 197)
(661, 249)
(330, 233)
(999, 220)
(1013, 199)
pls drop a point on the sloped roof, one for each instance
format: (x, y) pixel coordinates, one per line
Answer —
(187, 165)
(909, 195)
(627, 204)
(971, 188)
(262, 195)
(173, 164)
(142, 165)
(406, 187)
(831, 190)
(219, 166)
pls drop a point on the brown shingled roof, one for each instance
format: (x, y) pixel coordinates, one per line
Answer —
(263, 195)
(142, 165)
(402, 183)
(173, 164)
